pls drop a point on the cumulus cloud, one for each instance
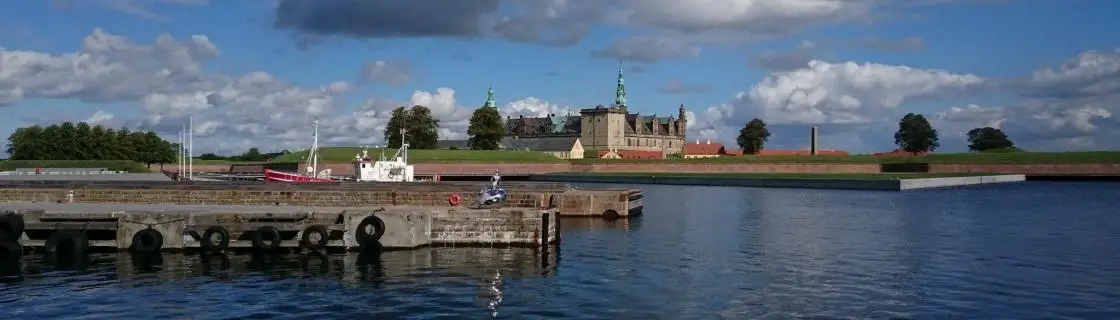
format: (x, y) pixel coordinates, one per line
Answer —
(167, 81)
(679, 24)
(1072, 106)
(843, 99)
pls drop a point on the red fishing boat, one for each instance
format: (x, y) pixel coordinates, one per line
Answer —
(312, 163)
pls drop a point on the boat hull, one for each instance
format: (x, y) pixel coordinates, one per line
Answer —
(278, 176)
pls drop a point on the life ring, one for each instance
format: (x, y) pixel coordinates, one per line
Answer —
(266, 238)
(454, 199)
(318, 230)
(147, 241)
(66, 241)
(208, 243)
(11, 227)
(365, 238)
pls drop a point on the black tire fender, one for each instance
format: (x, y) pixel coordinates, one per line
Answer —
(269, 233)
(366, 239)
(147, 241)
(77, 239)
(208, 239)
(315, 229)
(11, 227)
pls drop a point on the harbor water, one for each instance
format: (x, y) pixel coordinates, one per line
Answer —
(1034, 250)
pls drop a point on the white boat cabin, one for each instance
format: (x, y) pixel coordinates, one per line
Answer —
(383, 170)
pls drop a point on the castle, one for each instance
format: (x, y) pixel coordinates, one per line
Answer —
(605, 128)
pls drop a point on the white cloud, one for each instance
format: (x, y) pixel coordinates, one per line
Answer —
(99, 117)
(231, 113)
(843, 95)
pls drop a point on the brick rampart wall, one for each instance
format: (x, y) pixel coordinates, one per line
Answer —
(516, 169)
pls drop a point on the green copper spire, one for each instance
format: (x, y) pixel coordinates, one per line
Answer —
(620, 91)
(490, 98)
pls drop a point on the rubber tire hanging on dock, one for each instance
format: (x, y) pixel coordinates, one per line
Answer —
(367, 239)
(316, 229)
(208, 239)
(11, 227)
(273, 237)
(147, 241)
(77, 239)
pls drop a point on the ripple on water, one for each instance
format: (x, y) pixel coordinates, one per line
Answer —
(1016, 251)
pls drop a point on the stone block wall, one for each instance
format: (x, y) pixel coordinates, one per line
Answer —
(1032, 169)
(496, 226)
(262, 197)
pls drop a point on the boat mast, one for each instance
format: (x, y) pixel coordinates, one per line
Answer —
(313, 154)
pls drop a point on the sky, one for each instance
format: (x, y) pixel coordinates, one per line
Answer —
(257, 73)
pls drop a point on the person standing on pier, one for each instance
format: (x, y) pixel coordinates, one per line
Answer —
(495, 179)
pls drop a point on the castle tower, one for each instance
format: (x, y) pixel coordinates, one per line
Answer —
(620, 90)
(490, 98)
(682, 123)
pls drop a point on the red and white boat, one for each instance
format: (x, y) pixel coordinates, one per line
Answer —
(312, 163)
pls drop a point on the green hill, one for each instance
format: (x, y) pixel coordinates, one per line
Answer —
(346, 154)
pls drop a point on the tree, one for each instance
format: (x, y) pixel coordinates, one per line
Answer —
(70, 141)
(393, 129)
(988, 138)
(486, 129)
(421, 128)
(915, 134)
(753, 136)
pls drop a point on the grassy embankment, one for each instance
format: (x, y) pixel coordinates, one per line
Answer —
(346, 154)
(961, 158)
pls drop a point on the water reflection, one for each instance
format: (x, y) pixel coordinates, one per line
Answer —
(433, 281)
(1004, 252)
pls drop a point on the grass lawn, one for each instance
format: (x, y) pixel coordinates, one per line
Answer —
(962, 158)
(346, 154)
(114, 165)
(855, 176)
(200, 161)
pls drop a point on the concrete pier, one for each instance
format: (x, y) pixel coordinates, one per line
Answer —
(156, 227)
(608, 203)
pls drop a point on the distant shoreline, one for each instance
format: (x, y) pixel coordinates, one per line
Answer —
(883, 181)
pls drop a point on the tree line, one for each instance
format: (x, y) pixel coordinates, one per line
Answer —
(80, 141)
(421, 129)
(915, 135)
(253, 155)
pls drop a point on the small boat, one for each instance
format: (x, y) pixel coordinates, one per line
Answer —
(312, 163)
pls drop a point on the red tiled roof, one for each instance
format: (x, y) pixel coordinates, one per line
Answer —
(702, 149)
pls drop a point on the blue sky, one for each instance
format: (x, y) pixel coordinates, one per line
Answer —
(709, 55)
